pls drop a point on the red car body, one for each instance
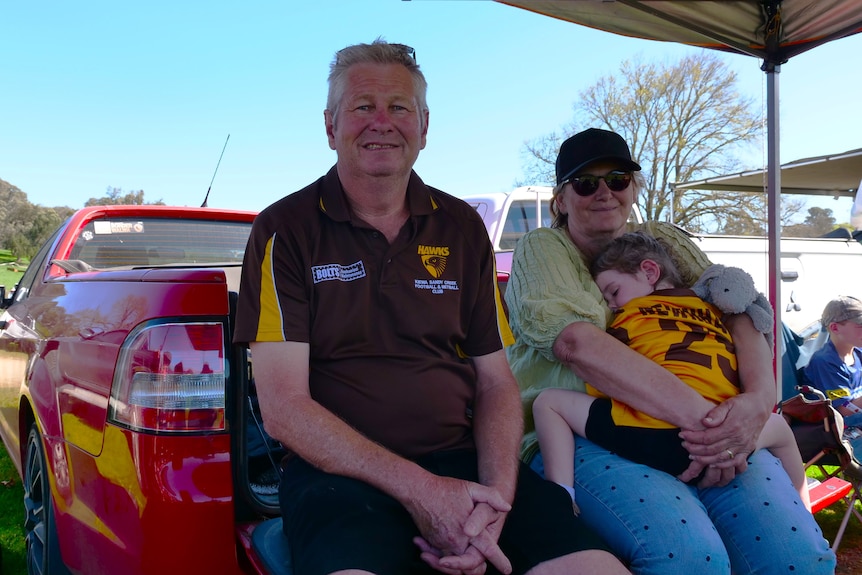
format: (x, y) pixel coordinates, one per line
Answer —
(121, 395)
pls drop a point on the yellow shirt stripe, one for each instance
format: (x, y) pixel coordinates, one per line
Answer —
(269, 327)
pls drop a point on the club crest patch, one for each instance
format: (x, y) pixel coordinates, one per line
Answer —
(435, 265)
(434, 260)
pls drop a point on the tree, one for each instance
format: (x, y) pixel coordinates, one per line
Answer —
(683, 122)
(11, 201)
(116, 197)
(747, 219)
(818, 222)
(24, 227)
(742, 224)
(32, 225)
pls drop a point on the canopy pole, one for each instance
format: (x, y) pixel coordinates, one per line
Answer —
(773, 189)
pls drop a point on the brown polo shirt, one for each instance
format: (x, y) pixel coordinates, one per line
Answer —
(389, 326)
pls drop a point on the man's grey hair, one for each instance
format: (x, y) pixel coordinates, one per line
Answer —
(378, 52)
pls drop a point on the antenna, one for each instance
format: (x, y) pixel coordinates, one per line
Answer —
(203, 205)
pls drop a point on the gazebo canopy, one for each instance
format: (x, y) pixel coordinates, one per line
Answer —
(771, 30)
(836, 175)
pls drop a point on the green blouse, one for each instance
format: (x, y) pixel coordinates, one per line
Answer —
(549, 288)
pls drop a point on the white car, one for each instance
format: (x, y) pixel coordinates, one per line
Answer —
(813, 270)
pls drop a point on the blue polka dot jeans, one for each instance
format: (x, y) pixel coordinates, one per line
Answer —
(661, 526)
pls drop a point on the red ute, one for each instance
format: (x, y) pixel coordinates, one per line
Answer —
(123, 403)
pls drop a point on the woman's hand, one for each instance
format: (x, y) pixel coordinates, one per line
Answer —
(731, 433)
(732, 427)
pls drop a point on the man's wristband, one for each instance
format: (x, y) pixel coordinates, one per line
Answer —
(851, 407)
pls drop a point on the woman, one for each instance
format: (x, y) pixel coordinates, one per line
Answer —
(744, 514)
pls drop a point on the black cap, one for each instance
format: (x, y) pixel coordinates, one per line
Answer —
(591, 146)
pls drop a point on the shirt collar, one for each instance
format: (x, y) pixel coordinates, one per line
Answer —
(333, 202)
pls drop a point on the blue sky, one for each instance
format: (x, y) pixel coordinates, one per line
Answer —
(143, 95)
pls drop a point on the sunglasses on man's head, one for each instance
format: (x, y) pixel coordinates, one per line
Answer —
(409, 50)
(404, 48)
(587, 185)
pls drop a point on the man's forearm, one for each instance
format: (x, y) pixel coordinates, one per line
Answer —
(498, 428)
(316, 434)
(850, 408)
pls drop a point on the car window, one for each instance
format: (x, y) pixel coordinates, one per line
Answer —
(522, 219)
(36, 268)
(124, 242)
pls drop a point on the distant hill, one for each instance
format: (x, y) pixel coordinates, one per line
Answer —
(7, 190)
(11, 195)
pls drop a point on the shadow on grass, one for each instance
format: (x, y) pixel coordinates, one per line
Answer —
(850, 549)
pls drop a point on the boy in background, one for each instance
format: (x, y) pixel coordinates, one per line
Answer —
(836, 368)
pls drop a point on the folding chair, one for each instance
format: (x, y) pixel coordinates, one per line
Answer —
(819, 432)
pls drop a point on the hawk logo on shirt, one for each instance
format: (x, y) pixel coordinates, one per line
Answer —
(434, 259)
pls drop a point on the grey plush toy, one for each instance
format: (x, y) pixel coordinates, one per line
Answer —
(732, 290)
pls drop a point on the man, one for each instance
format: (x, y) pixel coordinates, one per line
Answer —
(370, 305)
(836, 368)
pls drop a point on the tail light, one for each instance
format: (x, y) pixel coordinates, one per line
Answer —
(170, 378)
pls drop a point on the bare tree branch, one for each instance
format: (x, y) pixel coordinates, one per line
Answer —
(683, 121)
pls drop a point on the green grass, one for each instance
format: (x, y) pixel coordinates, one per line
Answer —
(10, 269)
(10, 272)
(9, 278)
(11, 518)
(11, 492)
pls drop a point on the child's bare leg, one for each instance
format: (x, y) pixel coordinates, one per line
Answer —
(558, 414)
(777, 437)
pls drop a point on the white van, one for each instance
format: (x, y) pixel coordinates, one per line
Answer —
(813, 270)
(510, 215)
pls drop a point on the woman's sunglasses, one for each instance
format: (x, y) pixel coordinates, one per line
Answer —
(585, 186)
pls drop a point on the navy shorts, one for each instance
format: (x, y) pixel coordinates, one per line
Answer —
(334, 522)
(659, 448)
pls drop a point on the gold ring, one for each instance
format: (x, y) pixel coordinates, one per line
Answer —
(729, 454)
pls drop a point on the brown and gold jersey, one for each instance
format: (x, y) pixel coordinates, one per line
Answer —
(684, 334)
(390, 327)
